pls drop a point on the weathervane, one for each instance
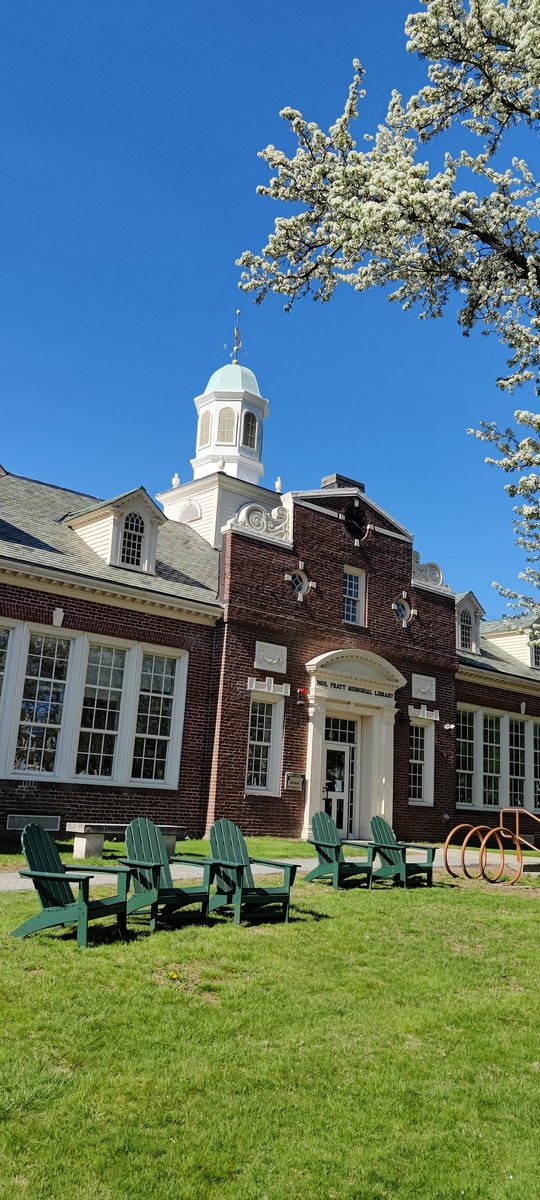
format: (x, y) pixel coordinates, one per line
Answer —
(237, 340)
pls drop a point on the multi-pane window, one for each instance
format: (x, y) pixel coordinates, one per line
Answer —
(465, 756)
(154, 713)
(516, 763)
(536, 763)
(338, 729)
(535, 655)
(417, 758)
(492, 760)
(4, 636)
(205, 427)
(249, 432)
(100, 711)
(353, 596)
(132, 540)
(259, 745)
(465, 627)
(42, 703)
(226, 433)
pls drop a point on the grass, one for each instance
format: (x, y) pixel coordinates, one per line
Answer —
(383, 1044)
(11, 858)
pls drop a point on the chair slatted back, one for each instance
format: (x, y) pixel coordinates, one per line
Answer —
(144, 841)
(41, 854)
(325, 830)
(382, 833)
(227, 842)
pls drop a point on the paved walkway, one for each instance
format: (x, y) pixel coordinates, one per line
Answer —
(10, 881)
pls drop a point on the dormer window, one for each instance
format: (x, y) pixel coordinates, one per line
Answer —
(205, 429)
(535, 656)
(468, 616)
(132, 540)
(249, 432)
(465, 630)
(226, 434)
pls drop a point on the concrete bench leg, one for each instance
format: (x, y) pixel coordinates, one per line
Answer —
(170, 843)
(88, 845)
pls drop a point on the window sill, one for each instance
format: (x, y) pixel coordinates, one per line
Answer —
(486, 808)
(260, 793)
(90, 781)
(420, 803)
(355, 625)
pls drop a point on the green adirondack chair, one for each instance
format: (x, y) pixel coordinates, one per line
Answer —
(153, 886)
(329, 847)
(53, 885)
(393, 855)
(234, 878)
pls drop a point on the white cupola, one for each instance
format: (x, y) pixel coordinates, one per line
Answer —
(230, 428)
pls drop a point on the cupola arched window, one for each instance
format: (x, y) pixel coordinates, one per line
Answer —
(465, 630)
(132, 540)
(249, 432)
(205, 428)
(226, 434)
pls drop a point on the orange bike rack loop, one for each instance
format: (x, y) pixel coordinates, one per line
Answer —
(506, 833)
(449, 840)
(486, 830)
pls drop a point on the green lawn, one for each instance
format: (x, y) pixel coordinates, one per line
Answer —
(11, 858)
(383, 1044)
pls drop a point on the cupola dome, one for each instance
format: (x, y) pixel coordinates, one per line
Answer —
(230, 427)
(233, 377)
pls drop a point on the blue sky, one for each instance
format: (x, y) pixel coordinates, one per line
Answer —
(129, 139)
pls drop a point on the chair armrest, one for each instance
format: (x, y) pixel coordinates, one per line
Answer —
(289, 868)
(416, 846)
(272, 862)
(134, 862)
(193, 860)
(225, 862)
(55, 875)
(325, 845)
(121, 870)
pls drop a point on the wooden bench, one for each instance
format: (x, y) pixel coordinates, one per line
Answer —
(89, 836)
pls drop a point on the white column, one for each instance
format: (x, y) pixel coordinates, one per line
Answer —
(314, 764)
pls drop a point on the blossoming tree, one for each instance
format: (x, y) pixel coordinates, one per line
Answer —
(381, 216)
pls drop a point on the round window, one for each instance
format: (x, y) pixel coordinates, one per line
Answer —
(299, 582)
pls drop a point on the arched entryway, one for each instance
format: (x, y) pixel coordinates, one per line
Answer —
(350, 753)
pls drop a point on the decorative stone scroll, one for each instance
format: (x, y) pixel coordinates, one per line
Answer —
(429, 574)
(257, 518)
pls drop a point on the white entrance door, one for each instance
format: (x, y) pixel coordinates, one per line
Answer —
(339, 790)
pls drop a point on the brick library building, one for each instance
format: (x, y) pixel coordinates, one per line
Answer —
(229, 650)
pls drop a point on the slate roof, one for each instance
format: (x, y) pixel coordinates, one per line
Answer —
(509, 624)
(498, 662)
(33, 532)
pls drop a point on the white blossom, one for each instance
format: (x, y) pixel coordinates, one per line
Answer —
(384, 216)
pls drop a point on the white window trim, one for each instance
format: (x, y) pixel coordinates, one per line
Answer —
(248, 412)
(233, 440)
(428, 780)
(201, 445)
(148, 545)
(474, 647)
(533, 664)
(504, 778)
(275, 757)
(68, 740)
(361, 602)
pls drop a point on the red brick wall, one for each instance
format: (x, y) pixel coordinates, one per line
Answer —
(78, 801)
(261, 604)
